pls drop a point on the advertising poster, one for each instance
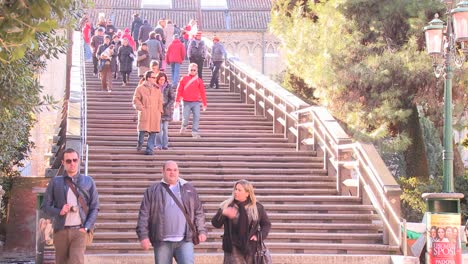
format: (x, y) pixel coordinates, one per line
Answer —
(443, 239)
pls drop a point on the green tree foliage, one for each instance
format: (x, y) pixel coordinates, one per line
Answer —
(413, 206)
(27, 40)
(365, 61)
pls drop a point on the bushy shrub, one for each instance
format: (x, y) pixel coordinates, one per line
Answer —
(413, 206)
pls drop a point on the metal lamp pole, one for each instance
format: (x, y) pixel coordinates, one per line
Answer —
(447, 47)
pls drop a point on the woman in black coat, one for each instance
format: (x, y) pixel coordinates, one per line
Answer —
(126, 57)
(242, 216)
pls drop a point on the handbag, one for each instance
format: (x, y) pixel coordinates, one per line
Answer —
(195, 239)
(73, 186)
(101, 64)
(262, 255)
(176, 114)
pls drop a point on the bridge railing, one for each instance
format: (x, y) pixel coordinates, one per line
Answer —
(358, 168)
(72, 129)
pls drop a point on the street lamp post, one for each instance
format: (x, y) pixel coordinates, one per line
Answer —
(448, 46)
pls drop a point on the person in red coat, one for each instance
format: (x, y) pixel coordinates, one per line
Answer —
(191, 89)
(86, 31)
(175, 56)
(126, 34)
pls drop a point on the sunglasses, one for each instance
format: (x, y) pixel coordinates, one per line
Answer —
(69, 161)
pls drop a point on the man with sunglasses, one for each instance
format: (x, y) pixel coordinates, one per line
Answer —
(72, 200)
(191, 90)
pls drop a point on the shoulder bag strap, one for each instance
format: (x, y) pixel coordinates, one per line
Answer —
(194, 78)
(71, 184)
(181, 207)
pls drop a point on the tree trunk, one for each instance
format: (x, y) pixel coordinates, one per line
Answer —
(458, 165)
(415, 155)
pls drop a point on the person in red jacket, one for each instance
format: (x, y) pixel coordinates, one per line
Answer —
(86, 31)
(191, 89)
(126, 34)
(175, 56)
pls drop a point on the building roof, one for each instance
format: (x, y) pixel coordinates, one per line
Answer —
(240, 15)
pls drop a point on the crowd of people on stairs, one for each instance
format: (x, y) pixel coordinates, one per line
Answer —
(114, 54)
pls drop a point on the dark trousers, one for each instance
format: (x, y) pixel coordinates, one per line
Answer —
(106, 77)
(125, 76)
(70, 246)
(199, 62)
(215, 75)
(95, 64)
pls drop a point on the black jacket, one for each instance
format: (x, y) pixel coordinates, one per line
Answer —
(265, 225)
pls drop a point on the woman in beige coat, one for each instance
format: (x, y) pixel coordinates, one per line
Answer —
(148, 101)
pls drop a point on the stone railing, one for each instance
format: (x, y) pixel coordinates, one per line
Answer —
(71, 132)
(358, 168)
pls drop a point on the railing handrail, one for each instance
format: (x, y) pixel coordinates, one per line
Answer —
(84, 107)
(338, 148)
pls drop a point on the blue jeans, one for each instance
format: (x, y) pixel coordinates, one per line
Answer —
(162, 139)
(150, 142)
(175, 70)
(87, 52)
(193, 107)
(182, 251)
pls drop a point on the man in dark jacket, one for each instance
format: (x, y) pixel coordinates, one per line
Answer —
(136, 25)
(72, 200)
(161, 222)
(143, 34)
(125, 56)
(96, 41)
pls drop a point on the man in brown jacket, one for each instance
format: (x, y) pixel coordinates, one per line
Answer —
(148, 100)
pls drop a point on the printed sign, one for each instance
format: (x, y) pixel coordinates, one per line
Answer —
(443, 239)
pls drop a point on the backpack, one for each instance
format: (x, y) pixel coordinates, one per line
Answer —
(197, 52)
(218, 52)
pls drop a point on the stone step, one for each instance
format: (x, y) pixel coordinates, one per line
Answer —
(207, 117)
(275, 247)
(208, 127)
(277, 227)
(219, 164)
(204, 143)
(214, 235)
(298, 207)
(220, 184)
(220, 171)
(175, 137)
(296, 217)
(123, 176)
(214, 134)
(278, 258)
(273, 198)
(209, 152)
(169, 155)
(219, 191)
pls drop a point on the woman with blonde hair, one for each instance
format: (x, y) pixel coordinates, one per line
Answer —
(242, 217)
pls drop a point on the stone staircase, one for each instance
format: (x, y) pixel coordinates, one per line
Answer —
(307, 214)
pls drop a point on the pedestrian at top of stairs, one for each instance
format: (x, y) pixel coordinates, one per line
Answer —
(162, 222)
(245, 222)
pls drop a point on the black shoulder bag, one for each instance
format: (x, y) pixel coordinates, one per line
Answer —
(262, 255)
(195, 238)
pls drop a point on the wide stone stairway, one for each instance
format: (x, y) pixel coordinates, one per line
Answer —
(307, 214)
